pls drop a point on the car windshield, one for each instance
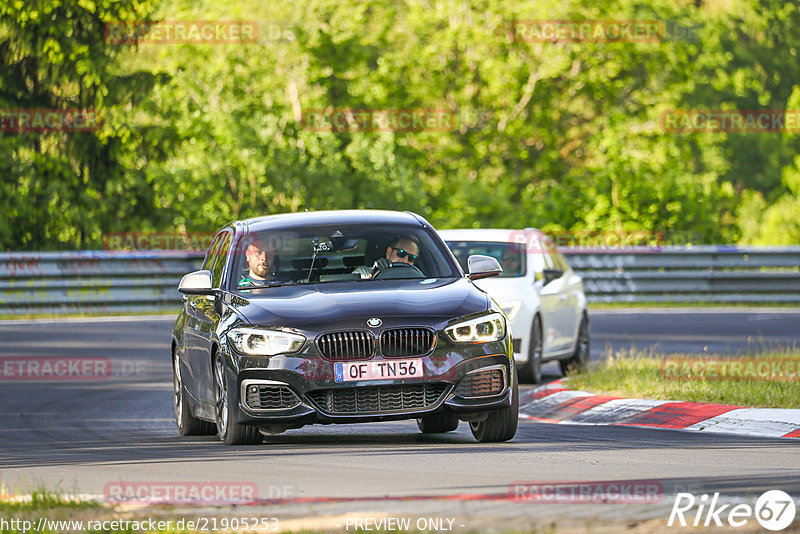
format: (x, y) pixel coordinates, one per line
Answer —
(340, 253)
(510, 255)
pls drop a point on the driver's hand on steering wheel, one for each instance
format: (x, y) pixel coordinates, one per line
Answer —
(380, 265)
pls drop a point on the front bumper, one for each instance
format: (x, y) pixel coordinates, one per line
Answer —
(308, 393)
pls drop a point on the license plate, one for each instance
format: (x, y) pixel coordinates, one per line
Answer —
(352, 371)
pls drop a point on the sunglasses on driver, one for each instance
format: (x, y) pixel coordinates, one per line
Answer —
(402, 253)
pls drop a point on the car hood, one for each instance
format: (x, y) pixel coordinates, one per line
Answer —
(312, 307)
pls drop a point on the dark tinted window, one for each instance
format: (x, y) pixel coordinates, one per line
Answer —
(220, 259)
(208, 261)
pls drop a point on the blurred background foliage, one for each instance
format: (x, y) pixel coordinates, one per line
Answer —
(562, 136)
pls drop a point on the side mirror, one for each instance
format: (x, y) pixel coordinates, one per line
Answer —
(196, 283)
(483, 267)
(552, 274)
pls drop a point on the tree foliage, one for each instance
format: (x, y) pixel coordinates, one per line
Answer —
(559, 135)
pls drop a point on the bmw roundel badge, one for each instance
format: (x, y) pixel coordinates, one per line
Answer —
(374, 322)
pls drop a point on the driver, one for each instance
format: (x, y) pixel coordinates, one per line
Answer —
(404, 249)
(262, 262)
(511, 261)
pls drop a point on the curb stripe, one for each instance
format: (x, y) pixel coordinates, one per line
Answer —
(678, 414)
(540, 394)
(614, 411)
(540, 406)
(766, 422)
(574, 406)
(555, 404)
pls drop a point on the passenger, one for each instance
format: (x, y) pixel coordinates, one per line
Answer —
(262, 263)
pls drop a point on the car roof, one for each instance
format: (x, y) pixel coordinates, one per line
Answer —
(319, 218)
(489, 234)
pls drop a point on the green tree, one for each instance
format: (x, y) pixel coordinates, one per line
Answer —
(62, 189)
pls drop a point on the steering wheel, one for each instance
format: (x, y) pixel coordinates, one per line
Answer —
(399, 270)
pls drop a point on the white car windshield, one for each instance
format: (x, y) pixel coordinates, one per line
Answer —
(510, 255)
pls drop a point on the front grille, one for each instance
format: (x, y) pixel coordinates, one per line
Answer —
(481, 384)
(399, 342)
(356, 345)
(270, 397)
(377, 399)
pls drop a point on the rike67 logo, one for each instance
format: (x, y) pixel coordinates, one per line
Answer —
(774, 510)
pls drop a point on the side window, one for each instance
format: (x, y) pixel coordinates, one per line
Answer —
(548, 255)
(219, 261)
(211, 254)
(561, 261)
(557, 260)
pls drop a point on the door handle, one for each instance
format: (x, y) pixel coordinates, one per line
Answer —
(562, 297)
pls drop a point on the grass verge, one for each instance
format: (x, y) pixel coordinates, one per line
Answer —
(22, 515)
(760, 380)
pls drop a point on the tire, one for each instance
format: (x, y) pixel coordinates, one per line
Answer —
(228, 430)
(502, 424)
(437, 424)
(580, 358)
(531, 371)
(188, 425)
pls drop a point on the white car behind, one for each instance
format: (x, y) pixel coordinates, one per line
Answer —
(539, 292)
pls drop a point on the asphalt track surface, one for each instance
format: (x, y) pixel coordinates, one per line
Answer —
(77, 437)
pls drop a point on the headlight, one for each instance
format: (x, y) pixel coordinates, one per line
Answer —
(490, 327)
(511, 308)
(263, 342)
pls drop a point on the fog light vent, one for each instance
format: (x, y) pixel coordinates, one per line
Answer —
(269, 396)
(482, 384)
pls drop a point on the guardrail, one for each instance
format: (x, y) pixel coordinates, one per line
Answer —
(111, 281)
(713, 273)
(92, 281)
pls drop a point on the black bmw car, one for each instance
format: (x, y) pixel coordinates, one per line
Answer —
(340, 317)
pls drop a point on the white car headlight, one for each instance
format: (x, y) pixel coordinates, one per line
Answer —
(490, 327)
(263, 342)
(511, 308)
